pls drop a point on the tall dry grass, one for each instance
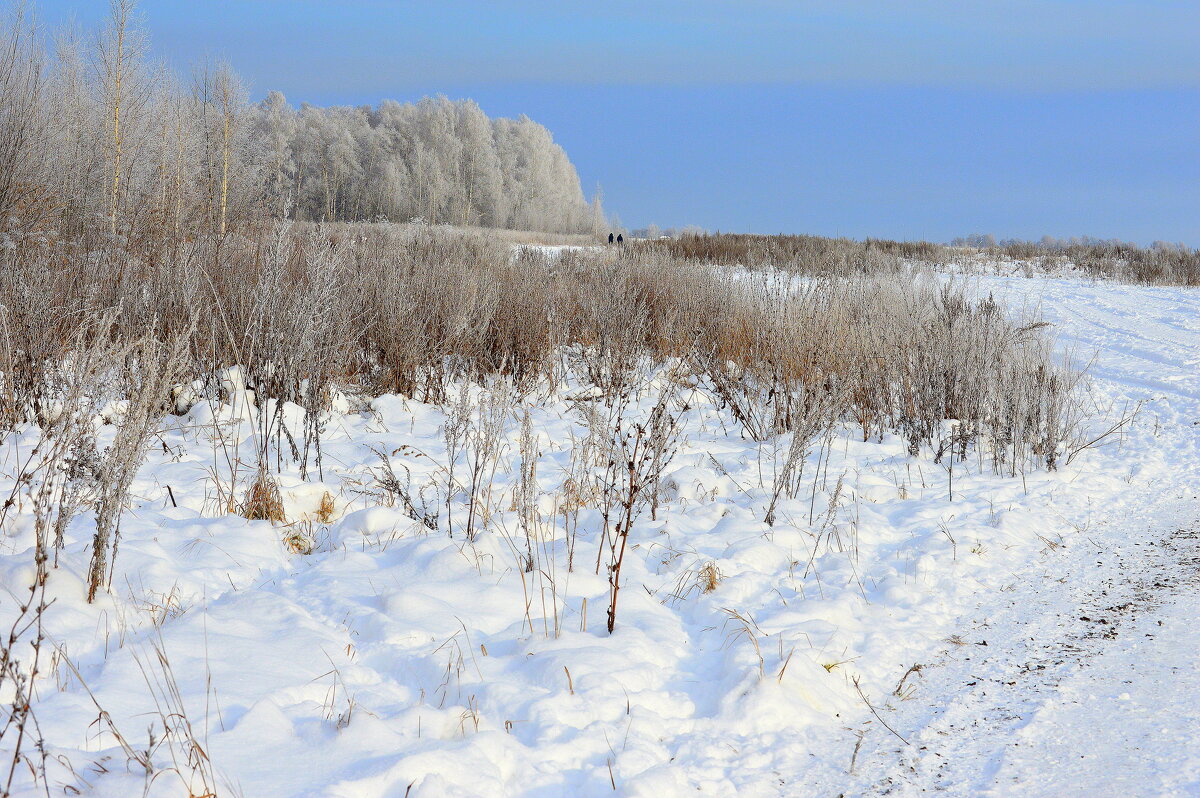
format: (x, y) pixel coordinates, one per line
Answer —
(305, 312)
(1159, 264)
(415, 311)
(1154, 265)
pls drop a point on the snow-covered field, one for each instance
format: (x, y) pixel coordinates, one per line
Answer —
(394, 660)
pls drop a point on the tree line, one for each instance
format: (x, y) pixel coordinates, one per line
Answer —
(96, 139)
(436, 160)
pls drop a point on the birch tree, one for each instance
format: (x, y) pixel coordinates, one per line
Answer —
(119, 54)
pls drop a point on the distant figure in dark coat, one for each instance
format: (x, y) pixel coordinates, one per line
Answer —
(620, 238)
(610, 238)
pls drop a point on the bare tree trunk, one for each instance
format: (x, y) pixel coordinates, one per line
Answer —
(120, 21)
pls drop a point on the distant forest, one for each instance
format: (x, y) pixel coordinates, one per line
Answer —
(94, 136)
(436, 160)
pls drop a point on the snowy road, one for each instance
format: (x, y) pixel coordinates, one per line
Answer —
(1128, 721)
(1082, 676)
(1081, 680)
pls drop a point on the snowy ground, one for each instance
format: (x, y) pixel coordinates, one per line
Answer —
(1081, 676)
(395, 661)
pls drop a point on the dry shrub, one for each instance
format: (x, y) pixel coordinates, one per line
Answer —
(800, 254)
(416, 310)
(150, 367)
(812, 334)
(429, 303)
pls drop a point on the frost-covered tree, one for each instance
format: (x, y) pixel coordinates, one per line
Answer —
(92, 132)
(23, 140)
(274, 126)
(441, 161)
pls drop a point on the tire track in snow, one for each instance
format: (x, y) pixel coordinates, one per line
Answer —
(977, 723)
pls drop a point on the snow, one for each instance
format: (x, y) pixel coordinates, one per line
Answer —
(1128, 721)
(1078, 679)
(393, 660)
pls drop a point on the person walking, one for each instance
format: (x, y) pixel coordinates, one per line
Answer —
(620, 238)
(610, 238)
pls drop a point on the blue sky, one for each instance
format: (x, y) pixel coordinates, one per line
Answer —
(913, 119)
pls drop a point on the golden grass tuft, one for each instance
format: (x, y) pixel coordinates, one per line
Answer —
(709, 577)
(326, 510)
(576, 495)
(300, 539)
(263, 502)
